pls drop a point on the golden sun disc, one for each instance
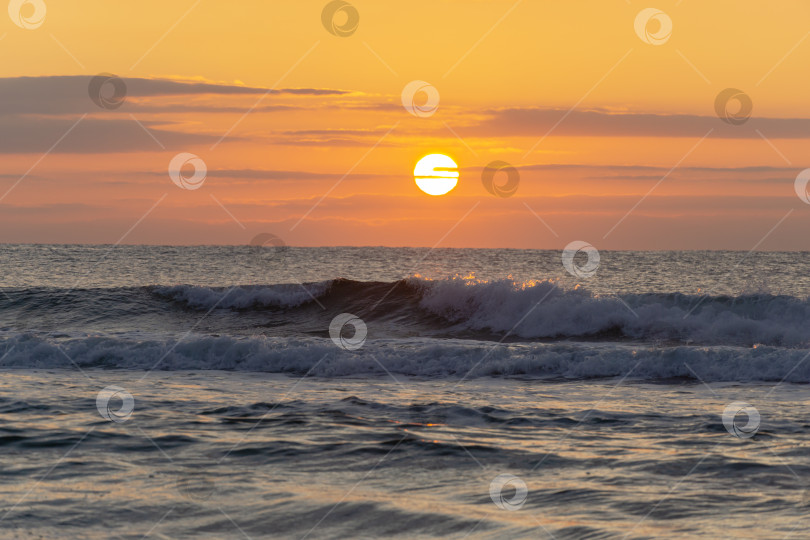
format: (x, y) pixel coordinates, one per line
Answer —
(436, 174)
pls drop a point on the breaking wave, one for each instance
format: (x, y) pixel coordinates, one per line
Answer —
(443, 328)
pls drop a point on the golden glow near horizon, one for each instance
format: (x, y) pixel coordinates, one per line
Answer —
(300, 113)
(436, 174)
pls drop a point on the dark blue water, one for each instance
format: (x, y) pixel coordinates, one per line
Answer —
(200, 392)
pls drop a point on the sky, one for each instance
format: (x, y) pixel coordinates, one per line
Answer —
(612, 117)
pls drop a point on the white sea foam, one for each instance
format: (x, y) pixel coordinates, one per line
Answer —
(538, 310)
(420, 357)
(544, 310)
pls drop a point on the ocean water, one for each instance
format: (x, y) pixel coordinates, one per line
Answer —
(281, 392)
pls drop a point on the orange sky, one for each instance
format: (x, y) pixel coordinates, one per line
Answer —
(614, 135)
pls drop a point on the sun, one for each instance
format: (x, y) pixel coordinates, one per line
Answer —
(436, 174)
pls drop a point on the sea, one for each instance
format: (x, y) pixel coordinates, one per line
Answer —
(272, 391)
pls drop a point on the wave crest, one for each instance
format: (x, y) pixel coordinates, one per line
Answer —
(412, 357)
(463, 308)
(243, 297)
(543, 310)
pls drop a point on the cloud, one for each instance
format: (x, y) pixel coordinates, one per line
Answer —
(701, 222)
(36, 111)
(269, 174)
(332, 143)
(398, 208)
(641, 168)
(537, 122)
(25, 135)
(61, 95)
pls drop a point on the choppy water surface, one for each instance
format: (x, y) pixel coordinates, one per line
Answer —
(494, 396)
(687, 272)
(205, 454)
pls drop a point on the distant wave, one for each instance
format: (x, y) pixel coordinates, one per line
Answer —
(452, 308)
(281, 296)
(538, 310)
